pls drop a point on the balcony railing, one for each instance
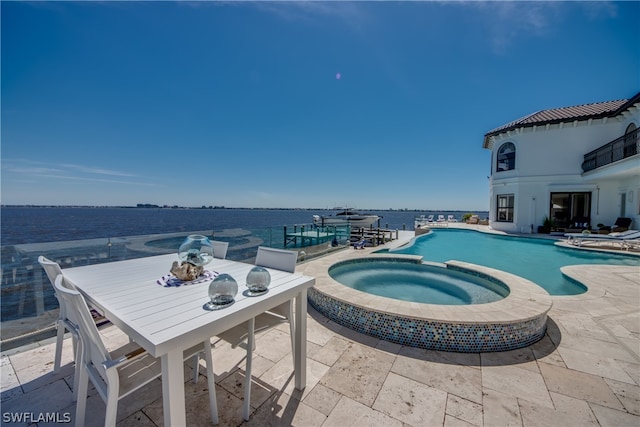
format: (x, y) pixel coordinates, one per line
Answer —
(626, 146)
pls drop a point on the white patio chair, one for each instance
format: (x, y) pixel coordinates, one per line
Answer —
(118, 373)
(451, 218)
(278, 259)
(440, 218)
(284, 260)
(52, 269)
(220, 249)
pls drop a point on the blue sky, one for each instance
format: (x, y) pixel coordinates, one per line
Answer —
(289, 104)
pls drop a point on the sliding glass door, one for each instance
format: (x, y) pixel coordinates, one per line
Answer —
(571, 210)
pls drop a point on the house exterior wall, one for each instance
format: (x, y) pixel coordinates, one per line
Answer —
(549, 160)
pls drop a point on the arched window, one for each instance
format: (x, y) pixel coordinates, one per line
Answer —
(506, 157)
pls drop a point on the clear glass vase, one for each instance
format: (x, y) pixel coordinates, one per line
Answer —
(196, 249)
(222, 292)
(258, 281)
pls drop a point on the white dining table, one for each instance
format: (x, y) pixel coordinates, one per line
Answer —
(167, 320)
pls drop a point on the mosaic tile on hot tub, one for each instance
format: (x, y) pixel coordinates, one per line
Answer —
(429, 334)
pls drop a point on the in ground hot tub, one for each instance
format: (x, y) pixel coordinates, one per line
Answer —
(515, 319)
(417, 282)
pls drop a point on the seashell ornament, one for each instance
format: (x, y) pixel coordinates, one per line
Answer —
(186, 271)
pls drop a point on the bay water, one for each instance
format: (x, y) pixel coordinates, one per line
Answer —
(54, 224)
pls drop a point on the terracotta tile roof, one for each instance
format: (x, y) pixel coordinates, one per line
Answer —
(566, 114)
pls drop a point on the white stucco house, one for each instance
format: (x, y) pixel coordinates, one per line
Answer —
(576, 164)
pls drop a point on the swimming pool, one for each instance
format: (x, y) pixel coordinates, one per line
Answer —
(538, 260)
(417, 282)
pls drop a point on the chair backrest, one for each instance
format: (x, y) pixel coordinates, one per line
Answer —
(220, 249)
(280, 259)
(623, 222)
(78, 313)
(52, 268)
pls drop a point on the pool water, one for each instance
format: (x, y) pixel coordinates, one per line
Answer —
(538, 260)
(411, 281)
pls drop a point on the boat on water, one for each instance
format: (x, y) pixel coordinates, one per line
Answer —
(346, 216)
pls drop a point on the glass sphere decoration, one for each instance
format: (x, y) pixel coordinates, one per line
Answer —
(258, 281)
(222, 292)
(196, 250)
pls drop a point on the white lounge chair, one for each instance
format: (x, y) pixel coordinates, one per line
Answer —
(627, 239)
(621, 224)
(441, 218)
(451, 218)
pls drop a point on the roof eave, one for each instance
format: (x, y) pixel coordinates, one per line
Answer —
(487, 143)
(550, 122)
(630, 103)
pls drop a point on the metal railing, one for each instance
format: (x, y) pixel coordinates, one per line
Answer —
(626, 146)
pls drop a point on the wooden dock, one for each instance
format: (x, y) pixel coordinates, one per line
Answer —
(373, 236)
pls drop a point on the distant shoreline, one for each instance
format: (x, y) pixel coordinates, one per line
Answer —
(149, 206)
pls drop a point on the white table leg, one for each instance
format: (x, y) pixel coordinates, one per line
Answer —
(211, 383)
(247, 382)
(300, 356)
(173, 389)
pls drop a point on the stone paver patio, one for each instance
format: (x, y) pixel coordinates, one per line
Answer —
(584, 372)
